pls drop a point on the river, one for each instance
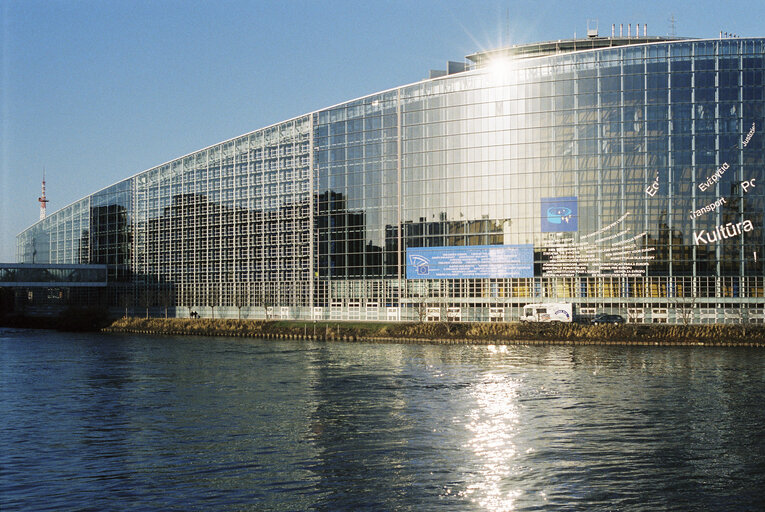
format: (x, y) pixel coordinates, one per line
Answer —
(129, 422)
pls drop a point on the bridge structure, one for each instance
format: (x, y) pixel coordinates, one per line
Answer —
(44, 289)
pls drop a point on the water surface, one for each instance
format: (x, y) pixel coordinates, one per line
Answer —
(113, 422)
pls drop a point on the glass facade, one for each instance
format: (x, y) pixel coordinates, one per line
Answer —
(628, 173)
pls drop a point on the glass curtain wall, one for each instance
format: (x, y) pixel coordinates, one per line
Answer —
(628, 175)
(356, 167)
(642, 140)
(228, 227)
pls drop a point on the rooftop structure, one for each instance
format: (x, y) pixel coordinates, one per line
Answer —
(521, 51)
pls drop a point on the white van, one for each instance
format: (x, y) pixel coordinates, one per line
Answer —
(548, 312)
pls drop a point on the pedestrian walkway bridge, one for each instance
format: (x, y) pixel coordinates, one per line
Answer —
(46, 275)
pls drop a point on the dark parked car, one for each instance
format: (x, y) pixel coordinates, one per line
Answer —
(603, 318)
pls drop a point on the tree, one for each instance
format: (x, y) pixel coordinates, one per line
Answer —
(420, 307)
(166, 297)
(265, 301)
(632, 314)
(238, 306)
(212, 298)
(146, 299)
(685, 303)
(684, 308)
(125, 301)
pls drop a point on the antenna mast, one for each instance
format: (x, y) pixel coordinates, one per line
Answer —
(42, 199)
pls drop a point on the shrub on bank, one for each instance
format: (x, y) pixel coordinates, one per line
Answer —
(486, 332)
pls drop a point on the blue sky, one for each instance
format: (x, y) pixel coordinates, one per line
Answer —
(96, 91)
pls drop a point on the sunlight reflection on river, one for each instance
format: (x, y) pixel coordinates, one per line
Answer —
(159, 423)
(493, 423)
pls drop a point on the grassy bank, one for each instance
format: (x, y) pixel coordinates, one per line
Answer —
(721, 335)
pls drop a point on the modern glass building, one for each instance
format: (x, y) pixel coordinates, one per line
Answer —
(618, 174)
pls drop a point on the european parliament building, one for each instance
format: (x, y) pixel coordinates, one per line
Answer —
(620, 174)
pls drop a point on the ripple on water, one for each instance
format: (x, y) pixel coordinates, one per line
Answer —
(131, 422)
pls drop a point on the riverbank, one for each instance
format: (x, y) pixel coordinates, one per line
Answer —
(453, 333)
(71, 319)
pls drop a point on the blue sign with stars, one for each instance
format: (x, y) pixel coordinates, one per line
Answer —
(478, 261)
(560, 214)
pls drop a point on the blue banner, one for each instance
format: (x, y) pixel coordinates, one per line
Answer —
(477, 261)
(559, 214)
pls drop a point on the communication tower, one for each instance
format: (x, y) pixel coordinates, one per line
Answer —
(42, 198)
